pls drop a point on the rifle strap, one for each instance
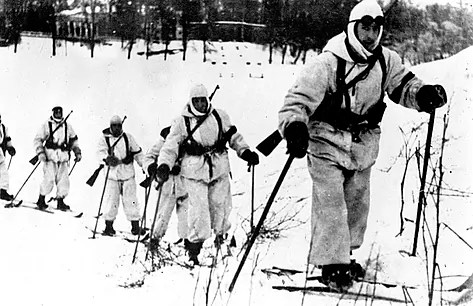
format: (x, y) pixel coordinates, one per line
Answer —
(190, 131)
(111, 147)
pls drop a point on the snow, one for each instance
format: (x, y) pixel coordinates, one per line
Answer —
(50, 259)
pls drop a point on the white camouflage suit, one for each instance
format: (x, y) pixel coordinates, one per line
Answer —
(173, 194)
(339, 166)
(56, 167)
(121, 178)
(4, 139)
(206, 177)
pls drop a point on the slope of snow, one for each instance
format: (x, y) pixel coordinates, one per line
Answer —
(51, 260)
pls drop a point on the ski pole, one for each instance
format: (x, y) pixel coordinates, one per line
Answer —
(255, 233)
(11, 203)
(73, 166)
(160, 188)
(9, 163)
(252, 196)
(143, 218)
(421, 200)
(101, 200)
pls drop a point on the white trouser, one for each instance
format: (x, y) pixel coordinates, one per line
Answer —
(209, 207)
(4, 179)
(340, 206)
(173, 195)
(127, 191)
(55, 173)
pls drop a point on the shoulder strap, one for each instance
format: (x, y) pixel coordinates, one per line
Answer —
(127, 144)
(50, 129)
(219, 122)
(382, 63)
(107, 140)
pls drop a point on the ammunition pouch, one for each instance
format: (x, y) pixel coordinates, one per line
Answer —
(54, 146)
(191, 147)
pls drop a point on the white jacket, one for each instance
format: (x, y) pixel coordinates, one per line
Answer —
(63, 141)
(205, 167)
(122, 171)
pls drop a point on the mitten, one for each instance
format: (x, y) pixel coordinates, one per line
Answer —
(430, 97)
(128, 159)
(11, 150)
(152, 170)
(163, 172)
(297, 137)
(251, 157)
(78, 157)
(176, 169)
(111, 161)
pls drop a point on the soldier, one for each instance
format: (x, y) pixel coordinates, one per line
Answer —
(333, 112)
(205, 166)
(53, 144)
(6, 145)
(173, 195)
(118, 149)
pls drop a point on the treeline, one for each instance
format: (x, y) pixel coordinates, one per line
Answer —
(292, 26)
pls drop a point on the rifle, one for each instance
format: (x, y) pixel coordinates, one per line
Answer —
(147, 181)
(34, 160)
(93, 177)
(213, 93)
(269, 143)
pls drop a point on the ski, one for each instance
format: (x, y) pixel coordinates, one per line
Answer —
(142, 239)
(343, 294)
(13, 204)
(127, 236)
(288, 272)
(49, 209)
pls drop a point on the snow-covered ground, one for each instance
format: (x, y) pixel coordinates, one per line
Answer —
(49, 259)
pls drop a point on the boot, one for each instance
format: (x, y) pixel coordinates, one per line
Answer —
(219, 240)
(41, 202)
(337, 276)
(108, 231)
(135, 228)
(5, 196)
(154, 244)
(61, 205)
(193, 249)
(356, 270)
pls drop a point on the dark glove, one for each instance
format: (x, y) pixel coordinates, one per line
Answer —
(163, 172)
(430, 97)
(128, 159)
(152, 170)
(111, 161)
(78, 157)
(251, 157)
(176, 169)
(11, 150)
(297, 137)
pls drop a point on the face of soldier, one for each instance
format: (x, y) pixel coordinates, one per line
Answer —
(57, 113)
(116, 129)
(200, 104)
(367, 31)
